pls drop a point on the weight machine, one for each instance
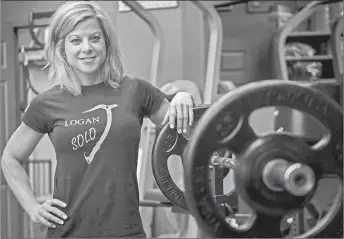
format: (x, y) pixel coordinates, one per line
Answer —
(210, 94)
(199, 200)
(212, 80)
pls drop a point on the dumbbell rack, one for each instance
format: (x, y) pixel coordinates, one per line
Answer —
(285, 119)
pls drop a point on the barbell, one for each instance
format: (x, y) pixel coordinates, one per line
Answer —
(275, 174)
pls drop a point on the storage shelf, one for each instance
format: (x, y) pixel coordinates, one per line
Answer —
(310, 34)
(309, 58)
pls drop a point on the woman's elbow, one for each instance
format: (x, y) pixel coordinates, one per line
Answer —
(7, 159)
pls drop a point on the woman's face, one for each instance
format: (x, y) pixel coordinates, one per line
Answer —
(85, 48)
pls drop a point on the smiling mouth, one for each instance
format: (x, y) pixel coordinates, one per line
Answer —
(87, 58)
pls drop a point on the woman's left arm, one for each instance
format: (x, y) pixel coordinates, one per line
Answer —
(178, 112)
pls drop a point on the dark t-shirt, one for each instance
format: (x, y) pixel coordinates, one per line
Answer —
(96, 139)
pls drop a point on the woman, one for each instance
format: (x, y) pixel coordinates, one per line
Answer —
(93, 119)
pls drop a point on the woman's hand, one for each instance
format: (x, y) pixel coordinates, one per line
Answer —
(47, 214)
(181, 109)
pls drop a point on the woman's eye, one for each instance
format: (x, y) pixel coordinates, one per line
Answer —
(75, 41)
(95, 38)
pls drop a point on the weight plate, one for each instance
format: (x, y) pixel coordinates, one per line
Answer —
(231, 112)
(168, 143)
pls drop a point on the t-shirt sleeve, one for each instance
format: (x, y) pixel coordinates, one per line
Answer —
(150, 97)
(36, 117)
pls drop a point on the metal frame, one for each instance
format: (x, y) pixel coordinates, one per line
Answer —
(32, 17)
(146, 180)
(24, 50)
(214, 50)
(212, 71)
(338, 65)
(163, 5)
(337, 31)
(229, 4)
(157, 31)
(149, 137)
(24, 66)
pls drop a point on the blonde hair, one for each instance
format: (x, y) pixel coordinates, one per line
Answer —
(62, 23)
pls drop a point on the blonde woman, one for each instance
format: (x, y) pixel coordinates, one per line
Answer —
(93, 119)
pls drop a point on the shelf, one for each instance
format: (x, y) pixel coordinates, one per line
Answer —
(317, 37)
(319, 40)
(328, 86)
(309, 58)
(310, 34)
(320, 81)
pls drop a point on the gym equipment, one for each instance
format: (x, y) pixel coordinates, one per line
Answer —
(168, 143)
(176, 222)
(337, 38)
(288, 119)
(302, 71)
(215, 43)
(31, 65)
(337, 34)
(35, 16)
(212, 77)
(276, 173)
(148, 134)
(151, 203)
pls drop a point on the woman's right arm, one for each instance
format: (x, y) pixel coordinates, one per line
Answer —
(19, 148)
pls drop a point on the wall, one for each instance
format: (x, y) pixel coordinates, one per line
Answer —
(182, 56)
(136, 41)
(17, 12)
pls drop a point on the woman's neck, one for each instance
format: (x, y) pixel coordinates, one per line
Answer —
(89, 79)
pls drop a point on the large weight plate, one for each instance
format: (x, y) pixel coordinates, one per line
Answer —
(236, 107)
(168, 143)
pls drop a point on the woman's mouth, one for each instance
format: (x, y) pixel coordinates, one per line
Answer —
(87, 59)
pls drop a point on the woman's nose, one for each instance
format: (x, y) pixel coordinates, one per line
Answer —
(86, 46)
